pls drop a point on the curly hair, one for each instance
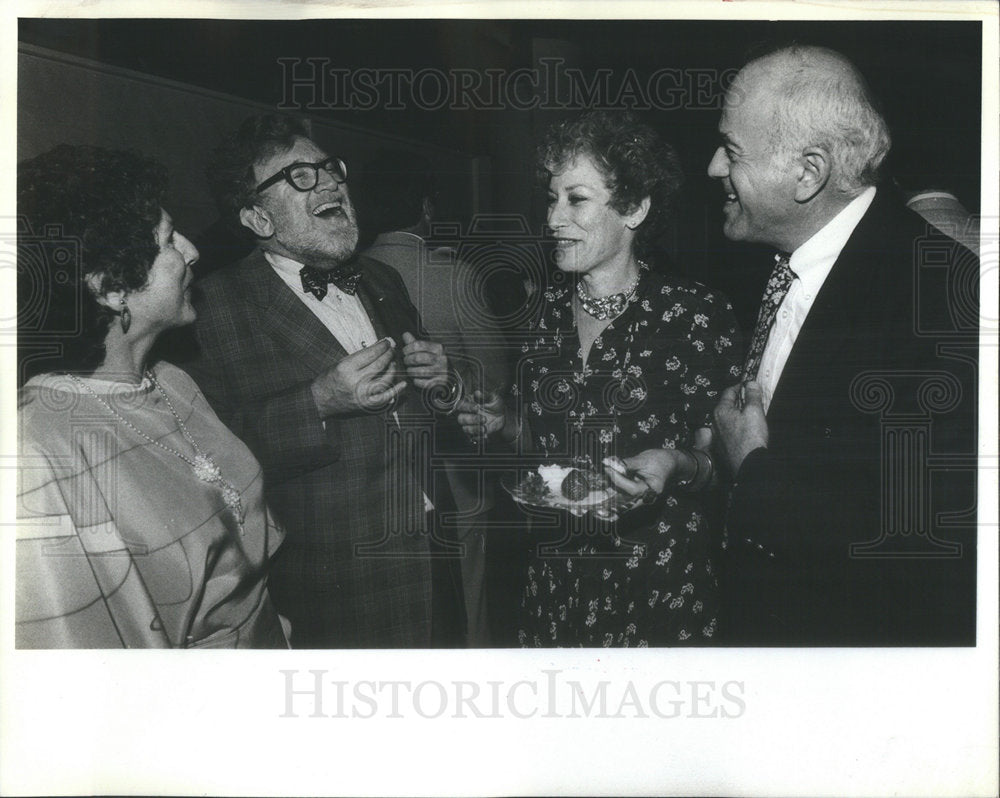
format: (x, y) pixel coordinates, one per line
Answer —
(230, 171)
(108, 203)
(633, 158)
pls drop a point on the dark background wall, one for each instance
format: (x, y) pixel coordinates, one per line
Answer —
(188, 80)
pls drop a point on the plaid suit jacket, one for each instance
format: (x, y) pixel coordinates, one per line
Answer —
(355, 568)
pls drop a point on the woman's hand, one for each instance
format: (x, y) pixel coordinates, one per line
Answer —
(652, 470)
(480, 419)
(647, 472)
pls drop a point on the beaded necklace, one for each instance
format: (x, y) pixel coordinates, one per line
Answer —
(611, 306)
(203, 466)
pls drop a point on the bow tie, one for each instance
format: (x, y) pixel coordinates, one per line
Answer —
(315, 280)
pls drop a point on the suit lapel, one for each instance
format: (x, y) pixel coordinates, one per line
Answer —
(841, 313)
(373, 302)
(287, 320)
(388, 313)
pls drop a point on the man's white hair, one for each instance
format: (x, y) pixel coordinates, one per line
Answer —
(822, 100)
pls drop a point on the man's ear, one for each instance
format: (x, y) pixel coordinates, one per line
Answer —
(815, 166)
(257, 220)
(637, 215)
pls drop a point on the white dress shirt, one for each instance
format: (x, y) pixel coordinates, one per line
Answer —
(342, 314)
(812, 263)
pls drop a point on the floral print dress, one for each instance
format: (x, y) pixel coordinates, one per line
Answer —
(652, 378)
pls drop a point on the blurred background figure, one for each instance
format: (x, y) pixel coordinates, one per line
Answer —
(398, 196)
(943, 209)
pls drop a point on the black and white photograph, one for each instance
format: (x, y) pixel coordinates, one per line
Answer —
(546, 404)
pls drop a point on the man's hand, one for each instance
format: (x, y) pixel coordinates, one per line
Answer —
(425, 361)
(361, 381)
(740, 424)
(480, 416)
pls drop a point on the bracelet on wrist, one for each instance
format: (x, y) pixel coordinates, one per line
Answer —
(686, 483)
(704, 469)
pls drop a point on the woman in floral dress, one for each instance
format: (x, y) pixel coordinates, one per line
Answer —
(623, 363)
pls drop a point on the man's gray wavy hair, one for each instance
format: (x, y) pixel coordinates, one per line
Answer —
(821, 99)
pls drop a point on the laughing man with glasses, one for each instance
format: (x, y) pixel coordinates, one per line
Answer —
(313, 355)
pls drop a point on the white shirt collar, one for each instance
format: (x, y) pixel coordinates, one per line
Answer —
(283, 265)
(813, 260)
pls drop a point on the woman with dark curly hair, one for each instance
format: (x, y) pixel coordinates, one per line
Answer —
(141, 521)
(623, 367)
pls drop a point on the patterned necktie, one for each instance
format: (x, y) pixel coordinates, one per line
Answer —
(345, 278)
(774, 293)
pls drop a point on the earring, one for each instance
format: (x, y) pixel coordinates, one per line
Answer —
(126, 316)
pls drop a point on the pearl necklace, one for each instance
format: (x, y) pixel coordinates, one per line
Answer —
(613, 305)
(203, 466)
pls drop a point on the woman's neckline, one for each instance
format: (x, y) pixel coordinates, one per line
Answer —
(56, 381)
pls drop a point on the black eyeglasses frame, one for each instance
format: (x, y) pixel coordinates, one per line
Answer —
(327, 164)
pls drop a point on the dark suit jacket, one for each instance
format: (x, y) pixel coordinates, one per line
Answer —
(835, 530)
(355, 569)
